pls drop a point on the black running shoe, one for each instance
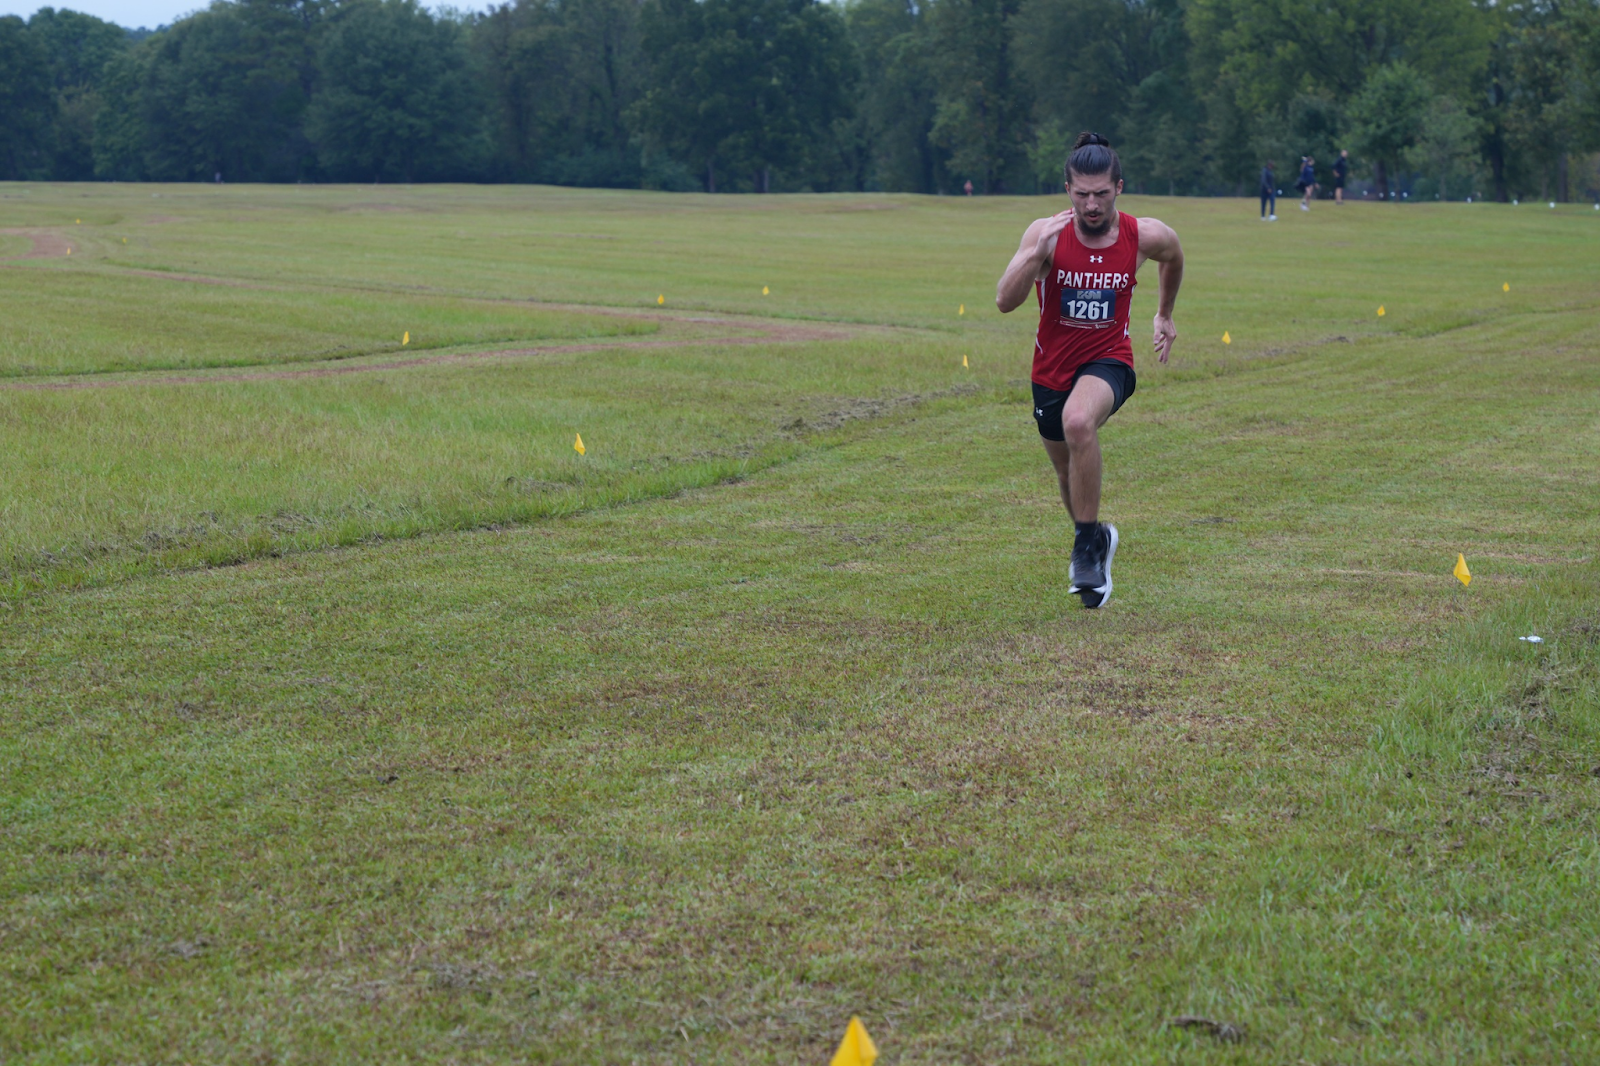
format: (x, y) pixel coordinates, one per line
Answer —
(1090, 572)
(1083, 563)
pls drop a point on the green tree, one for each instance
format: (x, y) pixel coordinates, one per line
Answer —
(1311, 125)
(747, 86)
(76, 46)
(120, 135)
(1387, 118)
(1255, 57)
(1277, 49)
(1120, 69)
(225, 91)
(896, 110)
(560, 77)
(1552, 89)
(1162, 135)
(871, 94)
(27, 110)
(982, 106)
(396, 98)
(1447, 148)
(78, 49)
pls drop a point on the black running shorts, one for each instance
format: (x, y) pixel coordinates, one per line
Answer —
(1047, 403)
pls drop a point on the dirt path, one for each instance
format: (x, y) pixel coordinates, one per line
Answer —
(750, 333)
(47, 244)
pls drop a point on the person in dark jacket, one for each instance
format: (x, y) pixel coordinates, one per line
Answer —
(1308, 181)
(1269, 193)
(1341, 170)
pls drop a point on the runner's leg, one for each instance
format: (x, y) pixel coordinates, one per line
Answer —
(1061, 459)
(1086, 410)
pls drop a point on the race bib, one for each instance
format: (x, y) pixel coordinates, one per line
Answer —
(1089, 307)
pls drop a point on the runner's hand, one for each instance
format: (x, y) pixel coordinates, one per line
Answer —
(1052, 229)
(1166, 333)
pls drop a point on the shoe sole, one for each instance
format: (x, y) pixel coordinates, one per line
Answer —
(1104, 591)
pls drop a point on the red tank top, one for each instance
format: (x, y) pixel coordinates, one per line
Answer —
(1083, 305)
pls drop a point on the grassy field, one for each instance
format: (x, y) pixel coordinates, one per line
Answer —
(771, 708)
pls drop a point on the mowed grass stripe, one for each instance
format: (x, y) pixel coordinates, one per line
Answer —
(172, 475)
(83, 322)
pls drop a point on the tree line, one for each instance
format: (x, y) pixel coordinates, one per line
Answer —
(1445, 98)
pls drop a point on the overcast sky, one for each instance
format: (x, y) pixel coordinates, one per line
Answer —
(129, 13)
(136, 13)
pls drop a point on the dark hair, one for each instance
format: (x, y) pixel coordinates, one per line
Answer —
(1092, 154)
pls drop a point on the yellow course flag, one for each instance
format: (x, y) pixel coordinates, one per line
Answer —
(79, 221)
(962, 310)
(577, 444)
(764, 290)
(857, 1048)
(407, 338)
(964, 361)
(661, 299)
(1225, 338)
(1380, 310)
(1463, 575)
(1506, 287)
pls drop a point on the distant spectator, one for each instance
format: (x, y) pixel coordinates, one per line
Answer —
(1341, 170)
(968, 186)
(1269, 194)
(1308, 181)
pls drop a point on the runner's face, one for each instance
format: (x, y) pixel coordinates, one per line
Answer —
(1094, 199)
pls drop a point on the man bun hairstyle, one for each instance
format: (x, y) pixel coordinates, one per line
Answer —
(1092, 154)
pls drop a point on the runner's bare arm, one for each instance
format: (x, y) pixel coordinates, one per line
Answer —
(1157, 241)
(1026, 267)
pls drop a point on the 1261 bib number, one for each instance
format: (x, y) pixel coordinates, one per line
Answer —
(1089, 306)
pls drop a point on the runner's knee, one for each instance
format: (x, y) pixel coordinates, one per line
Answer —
(1079, 427)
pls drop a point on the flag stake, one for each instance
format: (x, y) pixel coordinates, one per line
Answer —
(857, 1048)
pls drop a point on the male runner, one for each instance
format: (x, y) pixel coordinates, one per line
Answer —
(1082, 264)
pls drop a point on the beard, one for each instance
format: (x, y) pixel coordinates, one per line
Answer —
(1097, 229)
